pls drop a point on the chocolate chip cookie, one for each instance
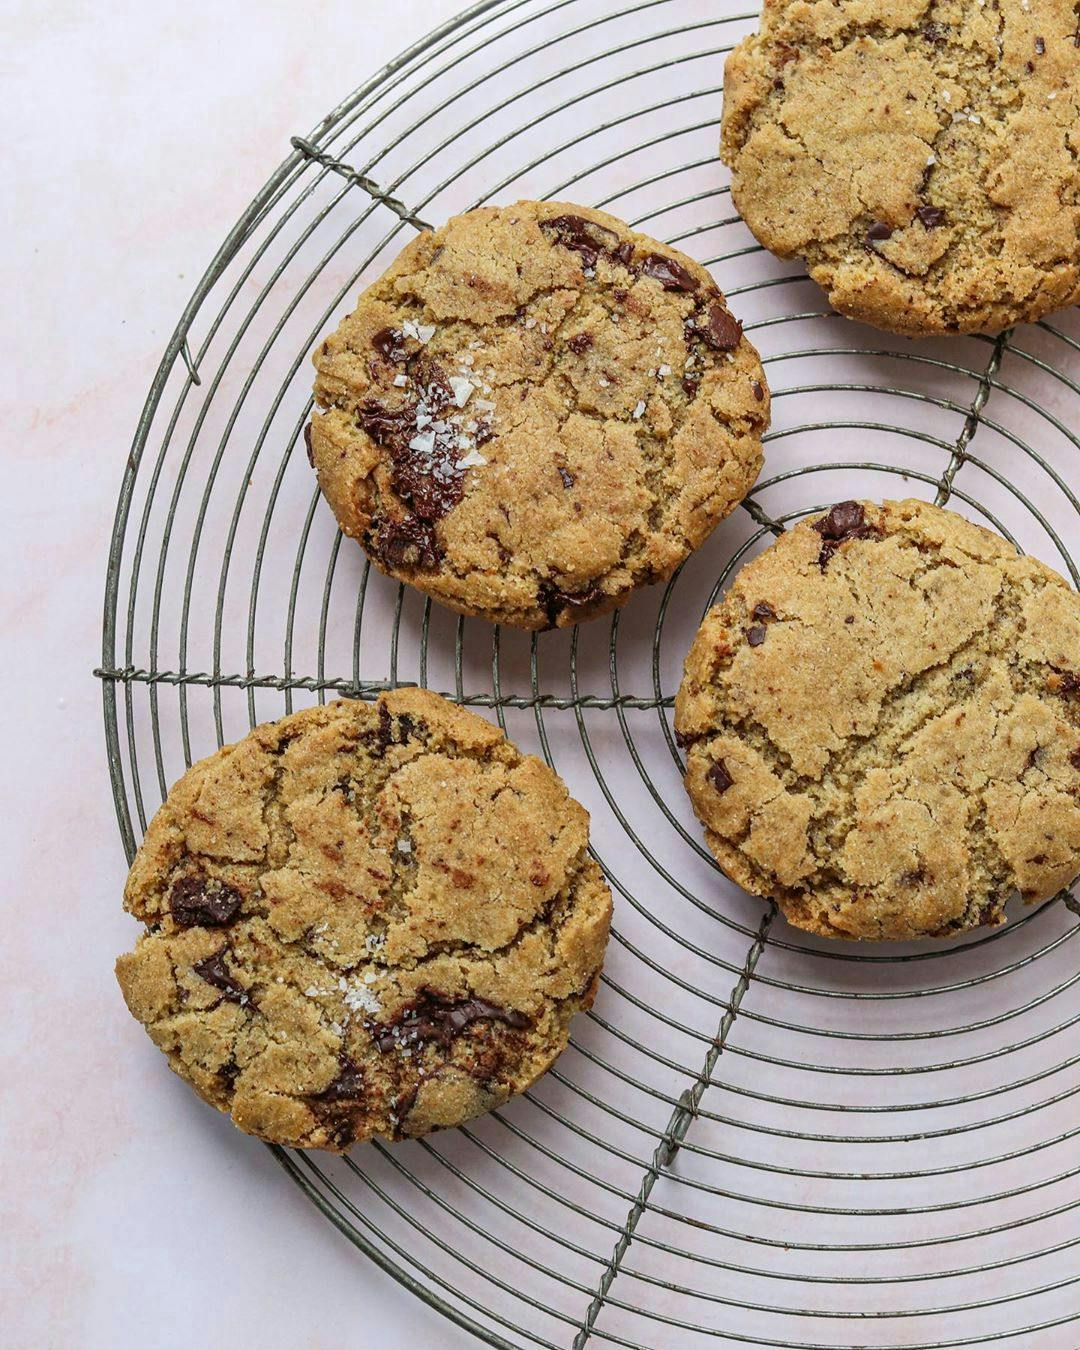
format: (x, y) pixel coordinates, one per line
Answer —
(882, 724)
(365, 919)
(921, 157)
(535, 411)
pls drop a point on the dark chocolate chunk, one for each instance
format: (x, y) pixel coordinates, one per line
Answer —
(1040, 46)
(721, 330)
(435, 1017)
(390, 342)
(763, 610)
(347, 1086)
(936, 33)
(683, 741)
(878, 231)
(672, 275)
(755, 636)
(719, 777)
(213, 970)
(759, 392)
(584, 236)
(624, 253)
(846, 520)
(554, 601)
(931, 216)
(389, 427)
(566, 476)
(1069, 685)
(307, 442)
(1074, 758)
(690, 386)
(409, 542)
(580, 342)
(200, 901)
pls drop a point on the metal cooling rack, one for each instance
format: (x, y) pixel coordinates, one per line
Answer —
(756, 1138)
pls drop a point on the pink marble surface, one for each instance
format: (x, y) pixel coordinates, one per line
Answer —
(131, 1214)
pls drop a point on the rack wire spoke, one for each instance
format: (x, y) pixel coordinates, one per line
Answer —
(756, 1137)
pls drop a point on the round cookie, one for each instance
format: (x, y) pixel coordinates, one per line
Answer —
(882, 724)
(921, 157)
(365, 919)
(535, 411)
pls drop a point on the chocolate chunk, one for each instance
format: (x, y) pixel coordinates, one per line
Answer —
(936, 33)
(690, 386)
(1040, 46)
(584, 236)
(409, 542)
(755, 636)
(763, 610)
(719, 777)
(554, 601)
(435, 1017)
(684, 741)
(1069, 684)
(759, 392)
(389, 427)
(846, 520)
(390, 343)
(1074, 758)
(200, 901)
(931, 216)
(566, 476)
(878, 231)
(624, 254)
(213, 970)
(721, 330)
(672, 275)
(580, 342)
(307, 442)
(347, 1086)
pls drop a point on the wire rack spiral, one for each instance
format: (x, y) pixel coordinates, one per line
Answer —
(755, 1138)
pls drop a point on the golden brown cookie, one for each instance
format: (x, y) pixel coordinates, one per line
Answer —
(882, 723)
(921, 157)
(535, 411)
(365, 919)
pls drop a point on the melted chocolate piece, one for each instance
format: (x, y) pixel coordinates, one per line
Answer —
(389, 427)
(721, 330)
(763, 610)
(846, 520)
(583, 236)
(624, 254)
(580, 342)
(683, 741)
(719, 777)
(212, 969)
(672, 275)
(878, 231)
(690, 386)
(347, 1086)
(434, 1017)
(390, 343)
(931, 216)
(1070, 684)
(755, 636)
(307, 442)
(553, 601)
(199, 901)
(409, 542)
(758, 390)
(1074, 758)
(566, 476)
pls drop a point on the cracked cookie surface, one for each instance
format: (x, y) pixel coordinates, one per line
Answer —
(922, 158)
(535, 411)
(882, 724)
(364, 919)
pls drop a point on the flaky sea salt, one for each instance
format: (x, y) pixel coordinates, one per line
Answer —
(422, 332)
(639, 411)
(462, 389)
(472, 460)
(400, 381)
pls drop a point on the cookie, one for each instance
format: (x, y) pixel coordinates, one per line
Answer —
(882, 724)
(921, 158)
(365, 919)
(535, 411)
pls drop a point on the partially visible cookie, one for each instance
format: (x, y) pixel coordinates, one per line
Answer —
(535, 411)
(365, 919)
(923, 158)
(882, 724)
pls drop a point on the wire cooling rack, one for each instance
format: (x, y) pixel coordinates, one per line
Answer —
(756, 1138)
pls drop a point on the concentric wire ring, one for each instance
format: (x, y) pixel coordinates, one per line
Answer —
(756, 1138)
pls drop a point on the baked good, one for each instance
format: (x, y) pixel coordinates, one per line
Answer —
(535, 411)
(882, 724)
(364, 919)
(924, 159)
